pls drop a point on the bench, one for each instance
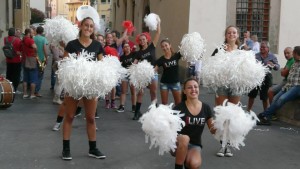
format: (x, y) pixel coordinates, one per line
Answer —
(290, 112)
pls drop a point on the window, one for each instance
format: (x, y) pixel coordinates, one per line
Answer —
(103, 17)
(103, 1)
(253, 15)
(17, 4)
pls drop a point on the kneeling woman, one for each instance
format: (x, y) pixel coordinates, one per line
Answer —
(196, 114)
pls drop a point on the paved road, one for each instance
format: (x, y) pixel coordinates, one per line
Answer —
(27, 141)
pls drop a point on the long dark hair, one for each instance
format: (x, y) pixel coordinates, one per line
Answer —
(93, 34)
(167, 41)
(183, 96)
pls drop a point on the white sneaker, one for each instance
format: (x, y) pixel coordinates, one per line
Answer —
(56, 100)
(18, 92)
(228, 152)
(56, 127)
(33, 97)
(221, 152)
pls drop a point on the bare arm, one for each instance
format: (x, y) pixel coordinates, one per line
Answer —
(120, 41)
(45, 53)
(100, 56)
(285, 72)
(211, 126)
(157, 34)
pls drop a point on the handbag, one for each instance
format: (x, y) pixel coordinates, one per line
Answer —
(30, 62)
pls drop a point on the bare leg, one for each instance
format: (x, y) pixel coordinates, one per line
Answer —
(182, 149)
(250, 103)
(70, 107)
(176, 96)
(265, 104)
(153, 88)
(164, 96)
(90, 110)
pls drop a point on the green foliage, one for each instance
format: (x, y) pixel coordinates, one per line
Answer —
(37, 16)
(93, 2)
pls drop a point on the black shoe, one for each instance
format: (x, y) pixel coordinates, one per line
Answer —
(66, 155)
(263, 121)
(137, 115)
(121, 109)
(96, 154)
(133, 108)
(78, 112)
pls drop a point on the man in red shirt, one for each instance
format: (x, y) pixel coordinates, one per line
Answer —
(30, 64)
(13, 65)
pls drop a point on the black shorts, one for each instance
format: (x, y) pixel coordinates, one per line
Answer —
(263, 89)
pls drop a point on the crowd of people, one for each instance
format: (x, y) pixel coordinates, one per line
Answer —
(31, 57)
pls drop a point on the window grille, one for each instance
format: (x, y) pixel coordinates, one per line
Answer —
(253, 16)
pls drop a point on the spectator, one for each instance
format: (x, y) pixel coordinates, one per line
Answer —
(290, 91)
(13, 65)
(41, 43)
(100, 38)
(270, 60)
(256, 44)
(30, 70)
(248, 43)
(288, 53)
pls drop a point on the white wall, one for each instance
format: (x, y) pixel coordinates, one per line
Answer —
(289, 31)
(208, 17)
(38, 4)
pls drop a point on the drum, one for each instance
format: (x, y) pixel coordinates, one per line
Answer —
(6, 93)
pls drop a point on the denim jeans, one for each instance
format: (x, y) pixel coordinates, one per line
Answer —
(39, 81)
(53, 79)
(280, 99)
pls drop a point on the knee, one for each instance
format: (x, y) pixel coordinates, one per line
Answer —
(69, 118)
(280, 101)
(194, 164)
(90, 120)
(183, 141)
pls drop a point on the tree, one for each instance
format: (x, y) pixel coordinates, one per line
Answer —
(93, 2)
(36, 16)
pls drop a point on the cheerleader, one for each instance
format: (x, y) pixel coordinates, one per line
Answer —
(196, 114)
(231, 43)
(126, 59)
(84, 42)
(147, 52)
(170, 76)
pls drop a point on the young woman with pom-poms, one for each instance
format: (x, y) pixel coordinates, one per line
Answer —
(127, 59)
(147, 52)
(85, 41)
(112, 44)
(170, 76)
(196, 114)
(231, 43)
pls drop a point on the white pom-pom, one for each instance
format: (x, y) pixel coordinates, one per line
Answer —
(81, 76)
(60, 29)
(192, 47)
(141, 74)
(102, 27)
(237, 70)
(161, 127)
(151, 21)
(233, 124)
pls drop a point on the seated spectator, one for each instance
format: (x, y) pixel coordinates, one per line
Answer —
(270, 60)
(288, 53)
(290, 91)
